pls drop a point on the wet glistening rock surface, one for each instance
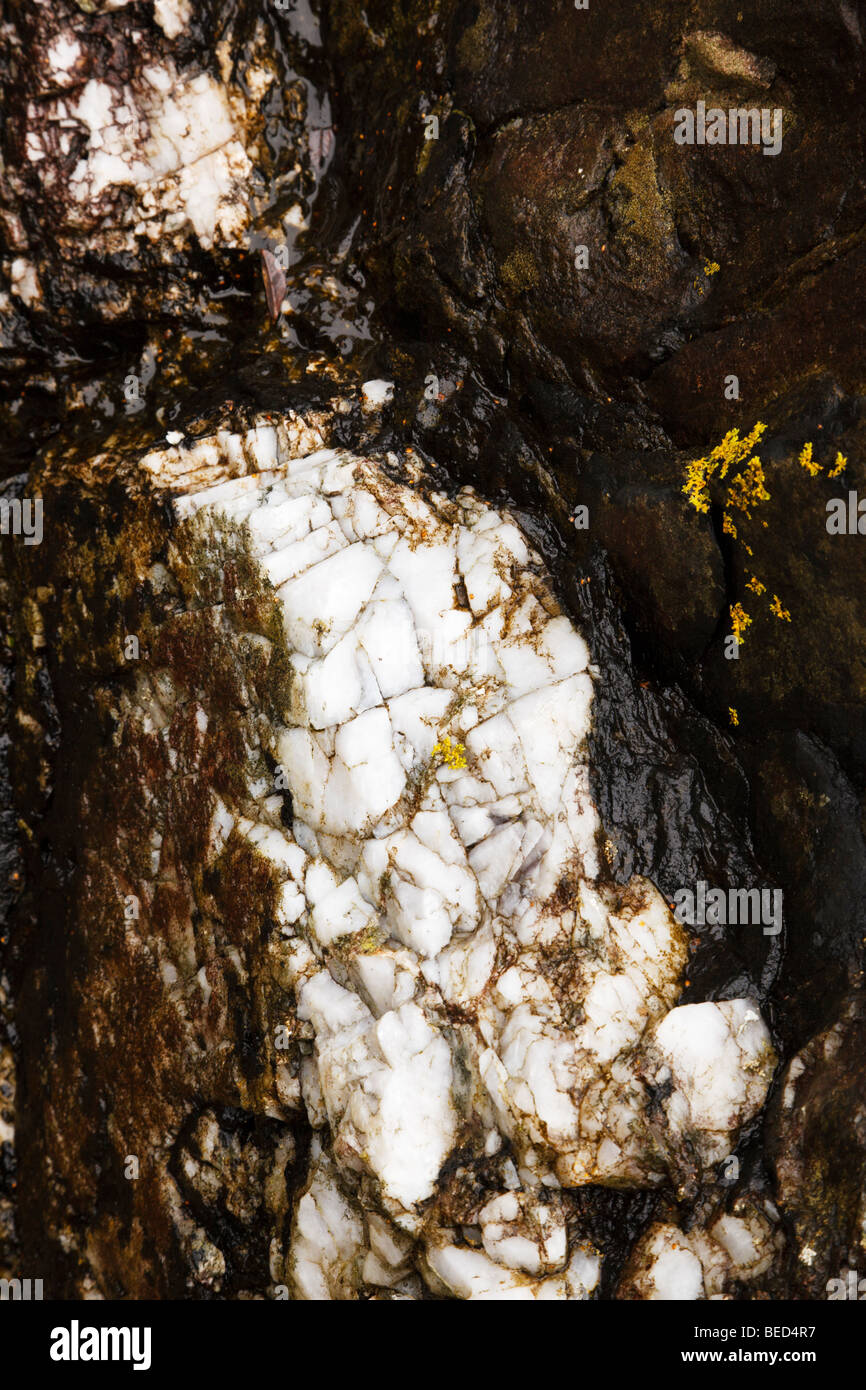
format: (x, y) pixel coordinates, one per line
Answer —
(418, 619)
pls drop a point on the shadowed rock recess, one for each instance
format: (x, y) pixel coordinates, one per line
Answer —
(432, 841)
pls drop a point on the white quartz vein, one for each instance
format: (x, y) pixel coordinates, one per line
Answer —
(464, 970)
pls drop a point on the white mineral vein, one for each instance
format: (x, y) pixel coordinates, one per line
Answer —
(466, 974)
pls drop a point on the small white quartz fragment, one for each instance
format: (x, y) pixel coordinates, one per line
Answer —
(721, 1062)
(375, 394)
(24, 281)
(470, 1274)
(171, 141)
(523, 1233)
(387, 1088)
(327, 1240)
(172, 16)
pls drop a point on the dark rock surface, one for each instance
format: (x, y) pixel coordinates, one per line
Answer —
(816, 1145)
(550, 138)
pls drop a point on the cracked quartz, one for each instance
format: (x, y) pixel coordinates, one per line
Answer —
(470, 990)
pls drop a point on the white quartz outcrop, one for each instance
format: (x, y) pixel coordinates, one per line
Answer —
(466, 976)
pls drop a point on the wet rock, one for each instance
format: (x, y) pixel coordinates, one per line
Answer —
(807, 667)
(138, 139)
(809, 831)
(701, 262)
(340, 882)
(581, 152)
(149, 153)
(546, 379)
(790, 338)
(8, 1240)
(818, 1148)
(708, 56)
(675, 603)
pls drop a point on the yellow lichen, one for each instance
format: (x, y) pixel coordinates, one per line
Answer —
(778, 611)
(712, 268)
(451, 754)
(366, 942)
(733, 716)
(698, 473)
(747, 489)
(740, 620)
(732, 452)
(839, 466)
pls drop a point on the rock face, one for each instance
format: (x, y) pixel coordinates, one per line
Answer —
(142, 138)
(7, 1154)
(817, 1148)
(612, 280)
(150, 152)
(353, 907)
(370, 695)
